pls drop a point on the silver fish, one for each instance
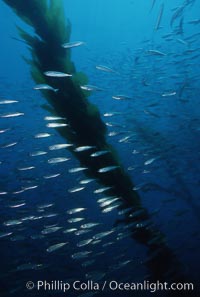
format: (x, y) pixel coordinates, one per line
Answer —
(56, 125)
(107, 169)
(110, 114)
(178, 12)
(84, 242)
(121, 97)
(137, 213)
(153, 4)
(45, 87)
(28, 218)
(113, 133)
(110, 208)
(51, 176)
(4, 130)
(17, 205)
(75, 210)
(11, 115)
(57, 74)
(90, 88)
(50, 215)
(124, 234)
(28, 266)
(102, 234)
(2, 235)
(89, 225)
(42, 135)
(81, 255)
(101, 190)
(69, 230)
(36, 218)
(9, 145)
(105, 199)
(157, 26)
(150, 161)
(182, 41)
(105, 68)
(12, 222)
(81, 232)
(3, 193)
(83, 148)
(76, 189)
(50, 230)
(53, 118)
(72, 44)
(108, 244)
(59, 146)
(38, 153)
(58, 160)
(8, 101)
(96, 242)
(76, 169)
(99, 153)
(75, 220)
(86, 181)
(125, 139)
(156, 53)
(168, 94)
(108, 202)
(26, 168)
(195, 22)
(124, 263)
(18, 192)
(46, 205)
(55, 247)
(136, 188)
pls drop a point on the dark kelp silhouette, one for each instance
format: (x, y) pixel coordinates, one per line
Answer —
(84, 125)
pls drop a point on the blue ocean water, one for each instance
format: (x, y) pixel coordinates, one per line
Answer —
(154, 128)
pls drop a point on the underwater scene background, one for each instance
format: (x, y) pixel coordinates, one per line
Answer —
(138, 63)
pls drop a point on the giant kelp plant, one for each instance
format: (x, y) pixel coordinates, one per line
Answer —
(84, 126)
